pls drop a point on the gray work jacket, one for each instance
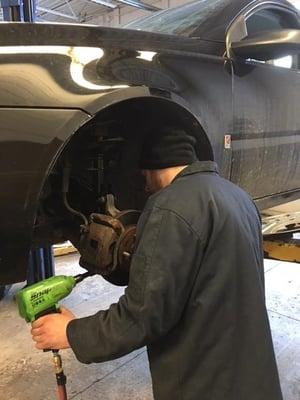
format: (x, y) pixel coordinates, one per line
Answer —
(195, 296)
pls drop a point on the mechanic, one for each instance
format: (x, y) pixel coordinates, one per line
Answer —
(196, 292)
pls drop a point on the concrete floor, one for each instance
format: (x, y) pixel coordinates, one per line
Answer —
(26, 373)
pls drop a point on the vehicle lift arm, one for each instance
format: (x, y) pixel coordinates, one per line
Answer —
(282, 248)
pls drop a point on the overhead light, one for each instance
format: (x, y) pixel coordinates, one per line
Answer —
(104, 3)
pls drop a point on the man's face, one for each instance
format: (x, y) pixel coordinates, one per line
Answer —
(153, 181)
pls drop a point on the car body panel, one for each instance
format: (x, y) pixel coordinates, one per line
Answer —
(38, 76)
(25, 158)
(271, 133)
(266, 112)
(55, 78)
(44, 66)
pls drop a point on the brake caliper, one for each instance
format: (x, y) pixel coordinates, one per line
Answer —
(107, 244)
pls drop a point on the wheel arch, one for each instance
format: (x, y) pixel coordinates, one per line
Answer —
(132, 113)
(176, 109)
(155, 101)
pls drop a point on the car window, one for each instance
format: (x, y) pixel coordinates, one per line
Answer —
(274, 19)
(183, 20)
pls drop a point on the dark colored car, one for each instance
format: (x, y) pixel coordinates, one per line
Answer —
(74, 100)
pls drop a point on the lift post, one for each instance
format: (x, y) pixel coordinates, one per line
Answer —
(41, 264)
(29, 10)
(18, 10)
(12, 10)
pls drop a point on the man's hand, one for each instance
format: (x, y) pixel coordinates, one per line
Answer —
(50, 331)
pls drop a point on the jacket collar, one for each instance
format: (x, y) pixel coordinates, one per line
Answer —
(198, 166)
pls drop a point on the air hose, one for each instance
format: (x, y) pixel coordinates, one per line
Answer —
(61, 379)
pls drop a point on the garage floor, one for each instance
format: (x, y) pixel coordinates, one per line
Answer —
(26, 373)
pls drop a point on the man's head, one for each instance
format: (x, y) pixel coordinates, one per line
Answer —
(165, 152)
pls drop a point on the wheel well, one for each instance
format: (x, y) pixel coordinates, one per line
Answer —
(134, 114)
(104, 155)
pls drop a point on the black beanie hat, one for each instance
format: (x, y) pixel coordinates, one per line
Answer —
(167, 147)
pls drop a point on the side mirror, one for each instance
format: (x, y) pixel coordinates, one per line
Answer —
(268, 45)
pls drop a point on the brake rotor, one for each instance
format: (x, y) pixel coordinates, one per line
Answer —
(122, 254)
(124, 248)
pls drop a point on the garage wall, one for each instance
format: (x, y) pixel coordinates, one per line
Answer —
(124, 15)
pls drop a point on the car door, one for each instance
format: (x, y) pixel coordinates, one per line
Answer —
(266, 127)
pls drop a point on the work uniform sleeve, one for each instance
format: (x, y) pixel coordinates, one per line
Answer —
(163, 270)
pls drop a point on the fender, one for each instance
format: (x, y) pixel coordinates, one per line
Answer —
(27, 160)
(26, 156)
(57, 80)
